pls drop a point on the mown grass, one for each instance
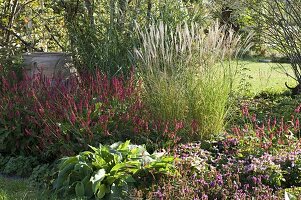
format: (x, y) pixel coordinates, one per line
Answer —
(266, 77)
(12, 188)
(16, 189)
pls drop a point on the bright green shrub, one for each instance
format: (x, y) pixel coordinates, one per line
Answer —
(108, 171)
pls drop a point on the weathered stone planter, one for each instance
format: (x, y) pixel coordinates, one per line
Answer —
(50, 65)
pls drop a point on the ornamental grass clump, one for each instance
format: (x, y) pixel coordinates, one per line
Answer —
(186, 73)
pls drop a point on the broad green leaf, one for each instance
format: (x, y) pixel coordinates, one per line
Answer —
(95, 187)
(117, 167)
(101, 191)
(288, 196)
(86, 156)
(124, 146)
(116, 192)
(130, 179)
(99, 162)
(67, 160)
(80, 189)
(99, 176)
(88, 186)
(63, 176)
(115, 145)
(157, 155)
(117, 158)
(169, 159)
(110, 179)
(94, 148)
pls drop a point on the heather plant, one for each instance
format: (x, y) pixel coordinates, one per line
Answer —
(254, 159)
(184, 74)
(210, 174)
(215, 176)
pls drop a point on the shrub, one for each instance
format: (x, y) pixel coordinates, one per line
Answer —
(43, 176)
(38, 118)
(108, 171)
(103, 33)
(20, 166)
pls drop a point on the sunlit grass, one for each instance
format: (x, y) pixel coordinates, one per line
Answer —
(16, 189)
(261, 77)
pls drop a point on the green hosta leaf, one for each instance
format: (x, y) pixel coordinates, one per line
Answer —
(116, 192)
(99, 162)
(67, 161)
(62, 177)
(94, 148)
(88, 186)
(116, 145)
(129, 166)
(101, 192)
(117, 158)
(157, 155)
(169, 159)
(146, 160)
(95, 187)
(86, 156)
(110, 179)
(120, 161)
(99, 176)
(124, 146)
(80, 189)
(138, 149)
(288, 196)
(130, 179)
(84, 169)
(117, 167)
(106, 154)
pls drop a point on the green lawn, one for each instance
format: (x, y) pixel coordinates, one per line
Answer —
(16, 189)
(266, 76)
(20, 189)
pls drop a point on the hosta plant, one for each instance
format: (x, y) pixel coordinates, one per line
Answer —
(109, 171)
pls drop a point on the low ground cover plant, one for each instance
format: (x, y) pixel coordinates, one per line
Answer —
(256, 159)
(109, 171)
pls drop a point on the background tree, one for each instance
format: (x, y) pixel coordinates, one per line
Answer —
(28, 25)
(282, 30)
(102, 33)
